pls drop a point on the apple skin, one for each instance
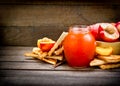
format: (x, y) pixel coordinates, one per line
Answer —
(117, 25)
(45, 47)
(94, 29)
(106, 35)
(45, 44)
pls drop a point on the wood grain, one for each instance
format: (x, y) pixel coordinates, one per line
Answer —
(15, 69)
(59, 15)
(28, 36)
(23, 22)
(67, 78)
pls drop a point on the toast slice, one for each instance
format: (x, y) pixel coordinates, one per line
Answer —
(110, 59)
(104, 50)
(110, 66)
(42, 57)
(97, 62)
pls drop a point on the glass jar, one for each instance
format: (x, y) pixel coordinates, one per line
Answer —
(79, 46)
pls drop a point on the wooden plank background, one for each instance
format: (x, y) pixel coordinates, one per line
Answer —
(23, 22)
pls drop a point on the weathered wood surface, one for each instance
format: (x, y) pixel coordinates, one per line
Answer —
(57, 15)
(22, 22)
(57, 1)
(18, 70)
(28, 35)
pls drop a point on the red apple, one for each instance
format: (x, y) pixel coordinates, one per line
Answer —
(108, 32)
(94, 29)
(45, 44)
(117, 25)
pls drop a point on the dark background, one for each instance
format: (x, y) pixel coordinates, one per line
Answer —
(22, 22)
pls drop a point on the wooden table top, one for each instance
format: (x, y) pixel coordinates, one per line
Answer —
(18, 70)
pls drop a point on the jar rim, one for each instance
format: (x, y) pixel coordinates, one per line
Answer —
(78, 25)
(79, 28)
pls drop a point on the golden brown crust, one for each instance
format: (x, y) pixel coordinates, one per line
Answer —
(59, 51)
(58, 42)
(104, 50)
(60, 57)
(49, 60)
(97, 62)
(30, 54)
(42, 57)
(109, 66)
(111, 58)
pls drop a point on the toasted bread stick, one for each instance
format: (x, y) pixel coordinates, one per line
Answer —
(60, 57)
(59, 51)
(36, 50)
(42, 57)
(111, 58)
(30, 54)
(97, 62)
(109, 66)
(59, 63)
(58, 42)
(49, 60)
(36, 56)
